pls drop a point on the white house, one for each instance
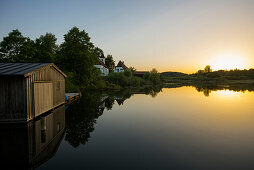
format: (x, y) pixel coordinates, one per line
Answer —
(102, 67)
(121, 67)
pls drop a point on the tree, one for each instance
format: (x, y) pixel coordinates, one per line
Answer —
(46, 48)
(98, 52)
(78, 55)
(132, 69)
(154, 76)
(110, 63)
(154, 71)
(127, 73)
(147, 76)
(16, 48)
(208, 69)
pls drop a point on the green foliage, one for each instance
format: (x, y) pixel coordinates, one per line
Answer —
(105, 85)
(230, 75)
(78, 55)
(98, 52)
(134, 81)
(126, 79)
(117, 78)
(16, 48)
(147, 76)
(122, 80)
(70, 83)
(110, 63)
(173, 74)
(132, 69)
(46, 48)
(128, 73)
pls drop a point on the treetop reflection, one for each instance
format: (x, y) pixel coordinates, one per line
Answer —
(82, 115)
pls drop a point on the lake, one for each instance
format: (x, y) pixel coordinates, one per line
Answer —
(151, 128)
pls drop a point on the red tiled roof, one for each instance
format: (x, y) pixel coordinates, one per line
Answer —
(101, 63)
(121, 64)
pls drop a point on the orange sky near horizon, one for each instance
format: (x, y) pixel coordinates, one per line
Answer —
(191, 35)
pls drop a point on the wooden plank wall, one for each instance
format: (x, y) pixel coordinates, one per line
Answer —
(48, 74)
(17, 101)
(43, 97)
(12, 98)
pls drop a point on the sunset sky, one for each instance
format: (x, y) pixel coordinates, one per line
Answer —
(170, 35)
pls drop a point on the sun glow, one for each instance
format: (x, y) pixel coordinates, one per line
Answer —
(228, 62)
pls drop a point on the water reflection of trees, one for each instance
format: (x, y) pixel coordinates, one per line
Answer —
(82, 115)
(207, 89)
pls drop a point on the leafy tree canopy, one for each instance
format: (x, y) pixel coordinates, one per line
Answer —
(78, 55)
(46, 48)
(16, 48)
(110, 63)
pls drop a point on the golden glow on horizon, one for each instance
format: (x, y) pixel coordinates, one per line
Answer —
(227, 93)
(229, 61)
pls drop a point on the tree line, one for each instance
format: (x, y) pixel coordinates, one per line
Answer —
(76, 56)
(234, 74)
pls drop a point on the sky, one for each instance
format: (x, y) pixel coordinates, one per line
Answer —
(169, 35)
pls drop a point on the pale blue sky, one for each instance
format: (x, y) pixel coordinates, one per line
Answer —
(177, 35)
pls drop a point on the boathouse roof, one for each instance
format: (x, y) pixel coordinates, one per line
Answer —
(21, 69)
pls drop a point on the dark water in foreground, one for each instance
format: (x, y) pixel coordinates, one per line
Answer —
(169, 128)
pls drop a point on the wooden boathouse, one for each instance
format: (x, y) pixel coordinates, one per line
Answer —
(29, 90)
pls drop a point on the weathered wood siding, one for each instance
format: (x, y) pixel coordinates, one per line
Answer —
(12, 98)
(46, 74)
(43, 97)
(25, 97)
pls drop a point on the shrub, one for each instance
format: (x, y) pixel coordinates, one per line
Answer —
(146, 76)
(128, 73)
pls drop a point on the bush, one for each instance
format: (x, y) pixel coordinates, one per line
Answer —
(134, 81)
(128, 73)
(117, 78)
(146, 76)
(70, 85)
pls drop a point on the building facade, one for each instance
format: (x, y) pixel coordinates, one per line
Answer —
(120, 67)
(102, 66)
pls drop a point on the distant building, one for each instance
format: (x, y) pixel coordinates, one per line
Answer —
(121, 67)
(102, 66)
(140, 73)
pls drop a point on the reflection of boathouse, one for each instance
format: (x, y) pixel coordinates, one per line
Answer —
(29, 89)
(29, 145)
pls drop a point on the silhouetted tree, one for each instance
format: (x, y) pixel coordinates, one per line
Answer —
(46, 48)
(208, 69)
(110, 63)
(16, 48)
(78, 55)
(132, 69)
(109, 102)
(99, 52)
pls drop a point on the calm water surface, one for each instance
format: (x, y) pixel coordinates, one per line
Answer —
(177, 128)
